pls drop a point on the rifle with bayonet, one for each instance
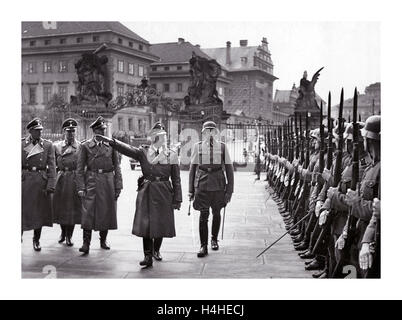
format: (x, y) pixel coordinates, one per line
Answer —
(350, 228)
(325, 228)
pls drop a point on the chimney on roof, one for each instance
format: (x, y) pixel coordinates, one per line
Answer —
(243, 43)
(180, 41)
(228, 56)
(264, 40)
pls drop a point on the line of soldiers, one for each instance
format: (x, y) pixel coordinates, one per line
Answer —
(70, 182)
(326, 182)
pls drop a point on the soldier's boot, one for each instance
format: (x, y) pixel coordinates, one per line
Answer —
(69, 235)
(203, 227)
(320, 274)
(148, 250)
(36, 239)
(317, 264)
(216, 223)
(87, 235)
(103, 243)
(157, 248)
(63, 233)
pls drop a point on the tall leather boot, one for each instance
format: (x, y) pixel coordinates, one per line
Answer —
(216, 223)
(63, 233)
(103, 243)
(148, 250)
(69, 235)
(203, 229)
(87, 235)
(157, 248)
(36, 238)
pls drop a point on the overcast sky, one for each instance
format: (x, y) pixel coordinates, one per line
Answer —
(349, 51)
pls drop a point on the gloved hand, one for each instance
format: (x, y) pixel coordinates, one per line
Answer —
(323, 217)
(331, 191)
(48, 192)
(176, 205)
(318, 206)
(228, 197)
(351, 197)
(81, 193)
(365, 257)
(340, 243)
(117, 193)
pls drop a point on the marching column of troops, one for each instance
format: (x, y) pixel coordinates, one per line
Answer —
(326, 182)
(78, 183)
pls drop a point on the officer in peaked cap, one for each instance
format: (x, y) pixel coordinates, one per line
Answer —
(38, 181)
(66, 202)
(99, 183)
(159, 191)
(210, 162)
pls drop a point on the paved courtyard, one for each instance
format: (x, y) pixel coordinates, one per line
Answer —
(251, 223)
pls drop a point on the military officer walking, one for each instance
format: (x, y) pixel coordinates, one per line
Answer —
(99, 183)
(210, 161)
(159, 191)
(38, 181)
(66, 202)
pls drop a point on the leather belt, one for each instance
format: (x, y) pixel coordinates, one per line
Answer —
(34, 169)
(210, 169)
(101, 170)
(152, 178)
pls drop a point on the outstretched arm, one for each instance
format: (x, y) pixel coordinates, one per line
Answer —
(121, 147)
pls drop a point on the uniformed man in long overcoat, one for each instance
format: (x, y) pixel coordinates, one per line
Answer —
(208, 186)
(66, 202)
(159, 191)
(99, 183)
(38, 181)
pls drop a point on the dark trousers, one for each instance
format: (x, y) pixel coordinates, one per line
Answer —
(67, 230)
(203, 227)
(87, 234)
(151, 245)
(37, 234)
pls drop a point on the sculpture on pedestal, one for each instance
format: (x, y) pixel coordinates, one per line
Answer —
(306, 99)
(92, 78)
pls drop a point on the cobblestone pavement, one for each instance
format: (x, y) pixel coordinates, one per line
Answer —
(252, 222)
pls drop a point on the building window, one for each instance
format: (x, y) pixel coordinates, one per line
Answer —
(120, 123)
(179, 67)
(95, 39)
(32, 43)
(47, 94)
(120, 66)
(32, 95)
(31, 67)
(130, 124)
(130, 89)
(140, 125)
(179, 87)
(220, 91)
(48, 42)
(154, 68)
(166, 68)
(166, 87)
(141, 71)
(243, 60)
(63, 93)
(141, 47)
(63, 66)
(131, 68)
(63, 41)
(47, 66)
(120, 40)
(120, 90)
(79, 40)
(130, 44)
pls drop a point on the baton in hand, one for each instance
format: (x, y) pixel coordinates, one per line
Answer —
(189, 206)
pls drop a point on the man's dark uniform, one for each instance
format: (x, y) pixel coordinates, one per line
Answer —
(210, 162)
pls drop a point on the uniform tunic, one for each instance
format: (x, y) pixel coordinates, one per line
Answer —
(66, 202)
(154, 213)
(209, 164)
(99, 174)
(38, 176)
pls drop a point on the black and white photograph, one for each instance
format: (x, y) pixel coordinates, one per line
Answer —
(155, 148)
